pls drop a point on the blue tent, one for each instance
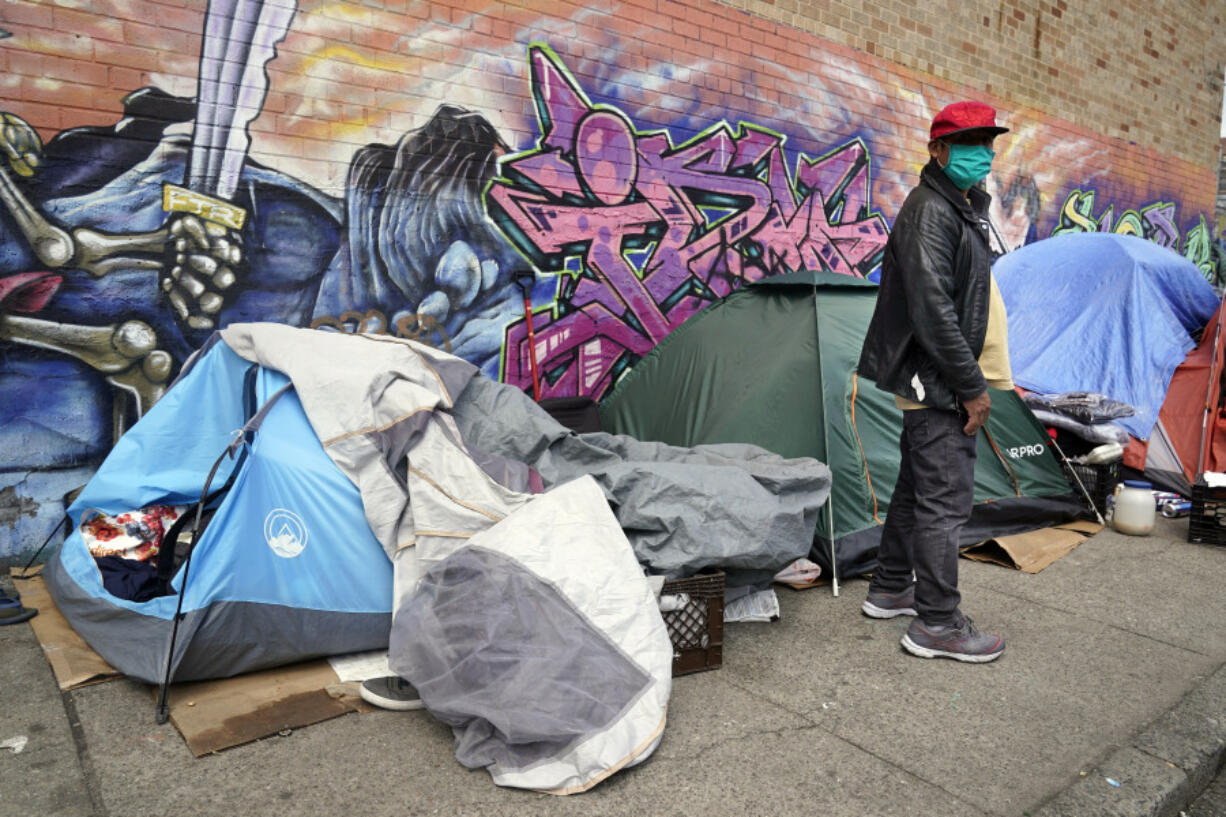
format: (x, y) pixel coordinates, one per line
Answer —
(287, 569)
(1105, 313)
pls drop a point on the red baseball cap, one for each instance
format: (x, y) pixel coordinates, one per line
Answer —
(964, 116)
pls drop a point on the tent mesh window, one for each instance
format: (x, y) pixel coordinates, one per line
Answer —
(696, 630)
(1207, 521)
(1099, 482)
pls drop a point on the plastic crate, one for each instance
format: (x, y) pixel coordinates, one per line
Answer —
(1099, 482)
(576, 413)
(1207, 521)
(696, 629)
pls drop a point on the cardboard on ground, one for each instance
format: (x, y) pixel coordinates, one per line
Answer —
(211, 715)
(1031, 552)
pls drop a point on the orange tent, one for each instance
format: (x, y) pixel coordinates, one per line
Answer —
(1190, 436)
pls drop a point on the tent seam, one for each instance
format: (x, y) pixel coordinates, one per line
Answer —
(376, 429)
(638, 750)
(476, 509)
(855, 391)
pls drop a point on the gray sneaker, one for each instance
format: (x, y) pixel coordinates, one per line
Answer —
(879, 604)
(390, 692)
(961, 642)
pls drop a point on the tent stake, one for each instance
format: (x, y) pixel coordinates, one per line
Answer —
(524, 279)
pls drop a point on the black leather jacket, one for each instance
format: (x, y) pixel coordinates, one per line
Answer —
(932, 308)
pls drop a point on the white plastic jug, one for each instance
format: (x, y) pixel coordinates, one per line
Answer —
(1134, 508)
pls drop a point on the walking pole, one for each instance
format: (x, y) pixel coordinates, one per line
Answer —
(1051, 436)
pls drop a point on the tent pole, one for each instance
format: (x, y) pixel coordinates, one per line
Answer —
(162, 713)
(834, 563)
(1204, 420)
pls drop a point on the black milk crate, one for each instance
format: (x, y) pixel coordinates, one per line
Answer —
(1207, 521)
(697, 629)
(1099, 482)
(579, 414)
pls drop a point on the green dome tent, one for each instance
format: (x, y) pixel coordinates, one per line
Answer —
(773, 364)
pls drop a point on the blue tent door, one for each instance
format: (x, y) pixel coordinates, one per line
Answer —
(288, 568)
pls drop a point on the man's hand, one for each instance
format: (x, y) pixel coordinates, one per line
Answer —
(977, 410)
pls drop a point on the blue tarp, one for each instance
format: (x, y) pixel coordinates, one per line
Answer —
(1105, 313)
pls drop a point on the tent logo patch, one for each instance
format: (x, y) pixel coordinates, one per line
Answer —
(285, 533)
(1019, 451)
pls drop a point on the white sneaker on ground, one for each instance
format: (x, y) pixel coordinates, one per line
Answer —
(390, 692)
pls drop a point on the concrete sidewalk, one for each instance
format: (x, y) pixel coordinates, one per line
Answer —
(1114, 672)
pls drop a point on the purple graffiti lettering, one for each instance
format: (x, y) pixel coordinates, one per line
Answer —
(660, 230)
(547, 170)
(1107, 222)
(1160, 225)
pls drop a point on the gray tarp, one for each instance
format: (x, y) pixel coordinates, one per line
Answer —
(730, 506)
(540, 644)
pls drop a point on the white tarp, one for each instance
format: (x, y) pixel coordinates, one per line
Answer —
(525, 619)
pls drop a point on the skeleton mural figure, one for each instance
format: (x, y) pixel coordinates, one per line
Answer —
(114, 272)
(103, 296)
(122, 248)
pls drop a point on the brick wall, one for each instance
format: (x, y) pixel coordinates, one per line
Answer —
(1143, 72)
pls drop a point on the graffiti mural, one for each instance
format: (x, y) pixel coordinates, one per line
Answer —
(644, 233)
(1154, 222)
(420, 259)
(376, 168)
(122, 248)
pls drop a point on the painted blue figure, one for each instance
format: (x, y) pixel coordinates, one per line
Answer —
(420, 256)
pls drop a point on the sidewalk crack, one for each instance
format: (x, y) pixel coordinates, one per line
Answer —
(1112, 625)
(92, 783)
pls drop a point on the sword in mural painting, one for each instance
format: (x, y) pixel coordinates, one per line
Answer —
(240, 39)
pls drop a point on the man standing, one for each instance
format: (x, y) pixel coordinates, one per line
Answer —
(937, 340)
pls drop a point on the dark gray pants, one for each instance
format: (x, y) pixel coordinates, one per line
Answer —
(931, 502)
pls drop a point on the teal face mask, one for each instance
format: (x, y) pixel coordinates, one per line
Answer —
(968, 164)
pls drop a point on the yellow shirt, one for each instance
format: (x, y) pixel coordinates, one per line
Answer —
(994, 359)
